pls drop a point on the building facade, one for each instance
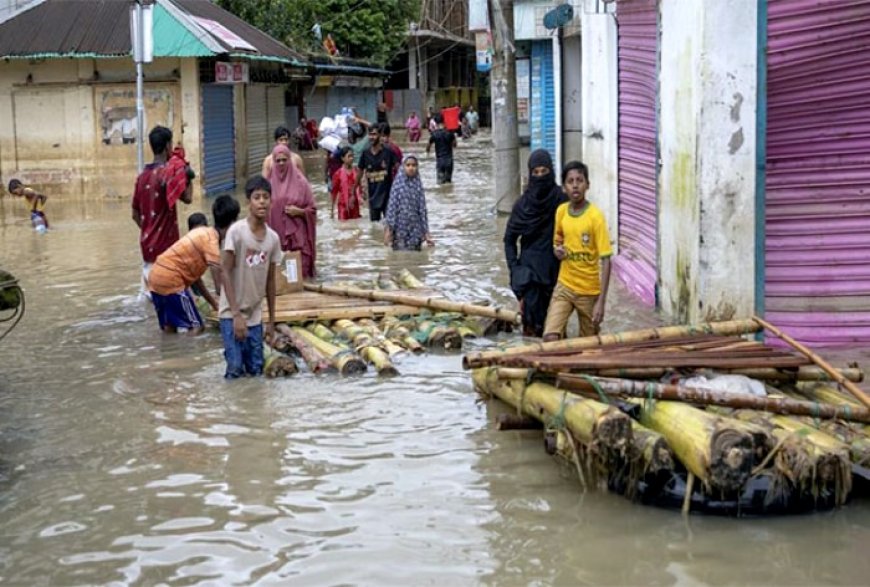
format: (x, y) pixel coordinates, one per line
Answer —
(730, 149)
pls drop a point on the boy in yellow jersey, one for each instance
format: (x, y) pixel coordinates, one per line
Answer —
(582, 245)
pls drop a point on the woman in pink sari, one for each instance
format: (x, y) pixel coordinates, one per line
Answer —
(294, 214)
(413, 126)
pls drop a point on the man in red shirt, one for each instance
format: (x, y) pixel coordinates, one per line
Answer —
(155, 216)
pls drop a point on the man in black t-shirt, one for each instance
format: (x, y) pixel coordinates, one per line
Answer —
(377, 164)
(444, 142)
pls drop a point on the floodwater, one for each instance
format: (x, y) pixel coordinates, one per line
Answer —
(126, 459)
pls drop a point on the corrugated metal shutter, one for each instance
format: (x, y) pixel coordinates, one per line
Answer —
(315, 103)
(817, 252)
(257, 127)
(275, 100)
(636, 264)
(218, 138)
(543, 107)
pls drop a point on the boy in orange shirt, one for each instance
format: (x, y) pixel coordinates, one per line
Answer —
(182, 266)
(582, 244)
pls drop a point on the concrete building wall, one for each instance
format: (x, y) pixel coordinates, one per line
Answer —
(707, 143)
(68, 125)
(572, 91)
(598, 102)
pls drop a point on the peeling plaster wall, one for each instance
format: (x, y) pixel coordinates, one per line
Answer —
(599, 105)
(707, 145)
(63, 122)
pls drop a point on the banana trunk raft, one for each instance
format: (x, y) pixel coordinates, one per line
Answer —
(692, 417)
(352, 329)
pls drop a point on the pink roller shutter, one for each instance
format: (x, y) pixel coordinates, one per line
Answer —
(637, 22)
(817, 251)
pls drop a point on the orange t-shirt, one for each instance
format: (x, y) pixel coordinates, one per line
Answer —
(183, 263)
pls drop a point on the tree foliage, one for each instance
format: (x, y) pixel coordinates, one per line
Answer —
(373, 30)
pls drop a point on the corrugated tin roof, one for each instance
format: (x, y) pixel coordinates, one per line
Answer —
(265, 45)
(100, 28)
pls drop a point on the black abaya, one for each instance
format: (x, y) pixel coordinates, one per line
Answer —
(534, 268)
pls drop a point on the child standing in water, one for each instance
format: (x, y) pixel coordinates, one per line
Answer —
(582, 245)
(406, 226)
(35, 201)
(346, 195)
(249, 251)
(413, 126)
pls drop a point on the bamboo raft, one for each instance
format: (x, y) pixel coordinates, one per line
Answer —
(347, 329)
(793, 438)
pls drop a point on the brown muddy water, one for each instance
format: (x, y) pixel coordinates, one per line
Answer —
(126, 459)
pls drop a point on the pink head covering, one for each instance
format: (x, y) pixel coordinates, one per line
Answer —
(291, 188)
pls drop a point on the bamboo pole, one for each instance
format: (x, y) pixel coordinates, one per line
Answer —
(824, 365)
(409, 280)
(704, 396)
(807, 373)
(603, 430)
(719, 451)
(812, 460)
(439, 335)
(344, 360)
(399, 332)
(734, 327)
(370, 326)
(409, 300)
(321, 331)
(277, 364)
(367, 347)
(385, 282)
(315, 360)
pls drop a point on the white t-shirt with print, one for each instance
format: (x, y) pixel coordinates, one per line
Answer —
(254, 260)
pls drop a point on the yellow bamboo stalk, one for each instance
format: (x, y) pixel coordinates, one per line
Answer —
(371, 327)
(427, 302)
(315, 360)
(719, 451)
(409, 280)
(603, 430)
(806, 373)
(397, 331)
(366, 346)
(441, 336)
(277, 364)
(835, 375)
(731, 328)
(345, 361)
(814, 462)
(321, 331)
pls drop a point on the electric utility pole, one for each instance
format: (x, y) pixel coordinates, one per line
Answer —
(503, 90)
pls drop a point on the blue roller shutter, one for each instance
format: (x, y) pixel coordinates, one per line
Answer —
(218, 139)
(542, 123)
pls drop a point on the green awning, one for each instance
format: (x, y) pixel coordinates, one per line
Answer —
(173, 39)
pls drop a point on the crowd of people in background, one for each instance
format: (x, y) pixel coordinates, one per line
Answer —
(556, 242)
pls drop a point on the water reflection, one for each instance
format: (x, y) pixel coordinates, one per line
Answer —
(126, 459)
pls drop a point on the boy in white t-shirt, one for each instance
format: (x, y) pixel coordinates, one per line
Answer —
(250, 249)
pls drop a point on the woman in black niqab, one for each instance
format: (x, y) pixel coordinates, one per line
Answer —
(533, 267)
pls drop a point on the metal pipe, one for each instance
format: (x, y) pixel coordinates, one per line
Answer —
(138, 53)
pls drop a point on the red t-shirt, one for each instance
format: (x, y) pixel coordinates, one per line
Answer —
(159, 229)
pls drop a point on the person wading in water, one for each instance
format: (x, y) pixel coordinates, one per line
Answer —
(534, 268)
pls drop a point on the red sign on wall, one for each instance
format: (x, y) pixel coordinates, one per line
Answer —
(230, 73)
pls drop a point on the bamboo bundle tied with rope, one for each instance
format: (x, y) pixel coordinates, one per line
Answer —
(730, 328)
(599, 434)
(433, 303)
(346, 361)
(366, 346)
(317, 362)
